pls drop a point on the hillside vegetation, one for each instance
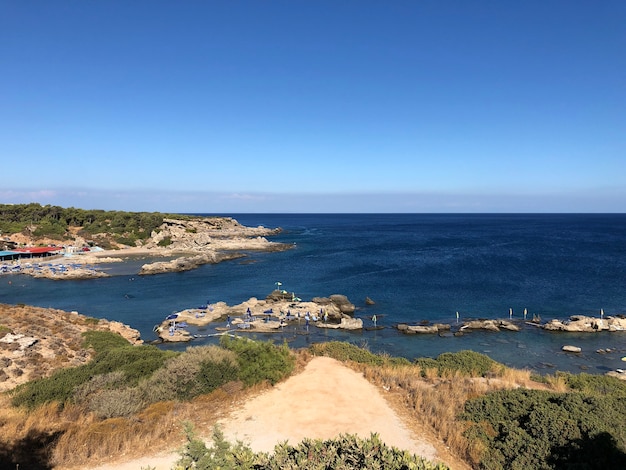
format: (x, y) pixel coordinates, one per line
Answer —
(134, 398)
(495, 417)
(63, 224)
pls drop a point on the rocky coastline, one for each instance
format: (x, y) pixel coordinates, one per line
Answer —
(189, 243)
(576, 323)
(280, 309)
(36, 341)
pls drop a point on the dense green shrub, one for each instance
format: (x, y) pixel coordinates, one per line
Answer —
(58, 387)
(137, 362)
(538, 429)
(167, 241)
(134, 362)
(196, 371)
(260, 360)
(347, 452)
(346, 352)
(101, 341)
(468, 363)
(54, 220)
(221, 455)
(349, 352)
(214, 374)
(595, 384)
(50, 228)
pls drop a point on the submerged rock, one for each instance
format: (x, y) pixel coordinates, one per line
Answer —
(423, 329)
(490, 325)
(345, 324)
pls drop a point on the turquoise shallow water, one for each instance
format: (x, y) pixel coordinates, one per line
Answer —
(415, 267)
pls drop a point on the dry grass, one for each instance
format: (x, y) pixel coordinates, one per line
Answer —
(158, 427)
(431, 400)
(557, 383)
(68, 438)
(434, 401)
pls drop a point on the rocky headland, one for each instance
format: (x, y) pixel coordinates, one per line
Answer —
(184, 244)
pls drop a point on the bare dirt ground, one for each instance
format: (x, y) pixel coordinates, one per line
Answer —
(324, 400)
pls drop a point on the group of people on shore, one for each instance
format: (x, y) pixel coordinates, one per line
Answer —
(48, 269)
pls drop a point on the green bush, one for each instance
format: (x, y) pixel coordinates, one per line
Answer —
(101, 341)
(221, 455)
(196, 371)
(595, 384)
(137, 362)
(349, 352)
(134, 362)
(167, 241)
(346, 352)
(214, 374)
(468, 363)
(260, 361)
(347, 452)
(524, 429)
(58, 387)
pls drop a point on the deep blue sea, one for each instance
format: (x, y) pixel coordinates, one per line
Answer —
(416, 267)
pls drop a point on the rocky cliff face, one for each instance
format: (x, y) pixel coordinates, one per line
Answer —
(209, 232)
(205, 241)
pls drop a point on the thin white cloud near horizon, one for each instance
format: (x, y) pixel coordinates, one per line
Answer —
(605, 200)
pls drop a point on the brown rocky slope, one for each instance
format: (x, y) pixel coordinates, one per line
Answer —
(36, 341)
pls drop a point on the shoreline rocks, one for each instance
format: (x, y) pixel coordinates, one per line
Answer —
(280, 309)
(193, 242)
(445, 328)
(186, 263)
(585, 324)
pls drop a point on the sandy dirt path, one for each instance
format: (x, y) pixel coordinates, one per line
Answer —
(324, 400)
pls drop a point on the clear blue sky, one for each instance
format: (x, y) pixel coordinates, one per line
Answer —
(314, 106)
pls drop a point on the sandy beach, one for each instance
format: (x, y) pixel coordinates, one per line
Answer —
(324, 400)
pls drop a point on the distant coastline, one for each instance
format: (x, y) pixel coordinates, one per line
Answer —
(190, 242)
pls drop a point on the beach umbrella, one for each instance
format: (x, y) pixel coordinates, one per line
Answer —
(278, 284)
(173, 316)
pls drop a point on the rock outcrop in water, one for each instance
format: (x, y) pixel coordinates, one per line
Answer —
(581, 323)
(279, 310)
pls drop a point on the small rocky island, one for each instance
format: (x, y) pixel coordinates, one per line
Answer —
(278, 310)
